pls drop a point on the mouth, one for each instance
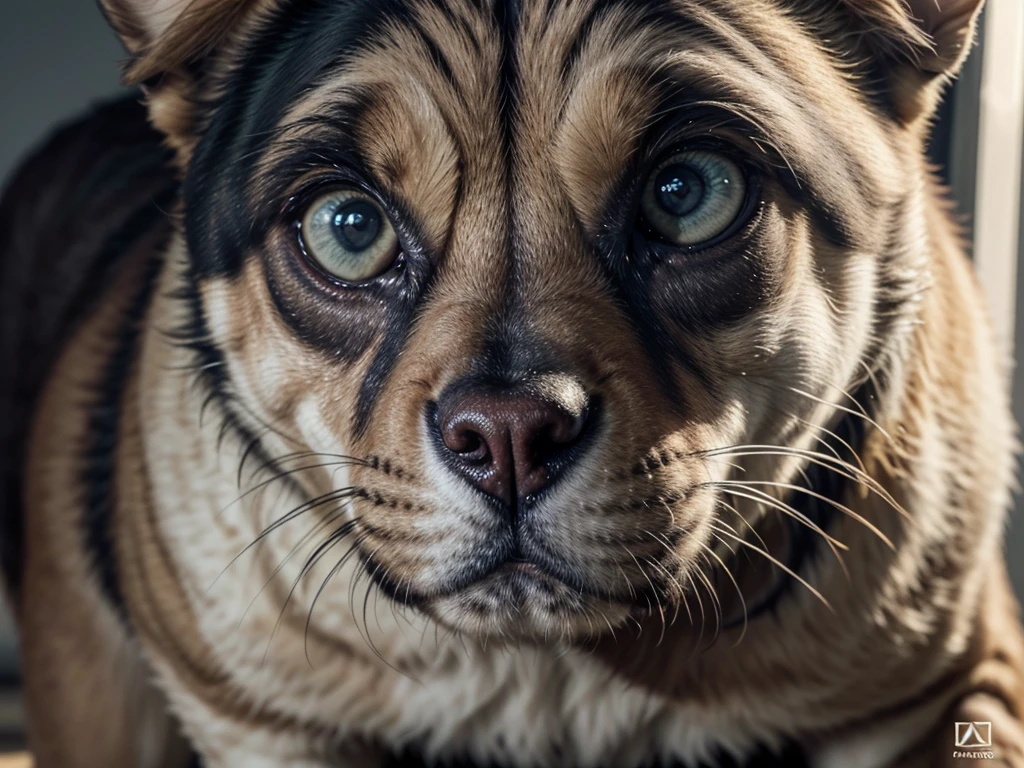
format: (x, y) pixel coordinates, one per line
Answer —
(511, 582)
(538, 565)
(515, 581)
(522, 602)
(501, 563)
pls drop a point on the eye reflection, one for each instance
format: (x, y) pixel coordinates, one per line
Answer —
(680, 190)
(357, 225)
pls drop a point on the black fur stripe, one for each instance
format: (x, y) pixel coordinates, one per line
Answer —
(99, 464)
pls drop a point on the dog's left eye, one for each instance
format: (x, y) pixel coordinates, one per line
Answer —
(348, 236)
(693, 197)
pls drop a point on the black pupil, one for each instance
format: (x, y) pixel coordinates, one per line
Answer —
(679, 189)
(357, 224)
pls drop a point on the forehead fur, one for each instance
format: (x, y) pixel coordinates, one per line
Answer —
(394, 87)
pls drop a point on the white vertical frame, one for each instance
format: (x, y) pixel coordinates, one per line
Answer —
(997, 197)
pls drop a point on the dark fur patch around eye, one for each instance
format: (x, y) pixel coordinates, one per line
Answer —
(303, 42)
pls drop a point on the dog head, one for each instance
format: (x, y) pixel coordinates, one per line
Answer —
(547, 273)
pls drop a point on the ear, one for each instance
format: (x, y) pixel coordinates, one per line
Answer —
(139, 22)
(166, 39)
(163, 35)
(937, 34)
(950, 26)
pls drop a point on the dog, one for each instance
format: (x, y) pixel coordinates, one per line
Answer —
(508, 382)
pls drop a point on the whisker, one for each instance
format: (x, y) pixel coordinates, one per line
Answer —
(713, 595)
(840, 467)
(813, 494)
(286, 473)
(746, 522)
(370, 587)
(832, 449)
(860, 413)
(758, 496)
(653, 592)
(700, 604)
(310, 563)
(779, 564)
(668, 575)
(325, 523)
(335, 569)
(327, 498)
(735, 584)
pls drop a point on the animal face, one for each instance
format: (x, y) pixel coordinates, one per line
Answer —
(552, 297)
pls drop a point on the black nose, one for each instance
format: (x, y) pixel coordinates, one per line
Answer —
(512, 444)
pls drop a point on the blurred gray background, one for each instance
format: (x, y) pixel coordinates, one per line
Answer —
(58, 56)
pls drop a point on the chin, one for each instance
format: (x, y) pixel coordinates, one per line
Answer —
(521, 603)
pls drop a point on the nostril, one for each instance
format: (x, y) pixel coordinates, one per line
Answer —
(467, 443)
(566, 428)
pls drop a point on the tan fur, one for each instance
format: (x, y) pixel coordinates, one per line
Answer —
(109, 695)
(271, 654)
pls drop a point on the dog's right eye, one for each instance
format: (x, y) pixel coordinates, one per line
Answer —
(348, 236)
(694, 197)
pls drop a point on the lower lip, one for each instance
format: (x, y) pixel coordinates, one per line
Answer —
(526, 569)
